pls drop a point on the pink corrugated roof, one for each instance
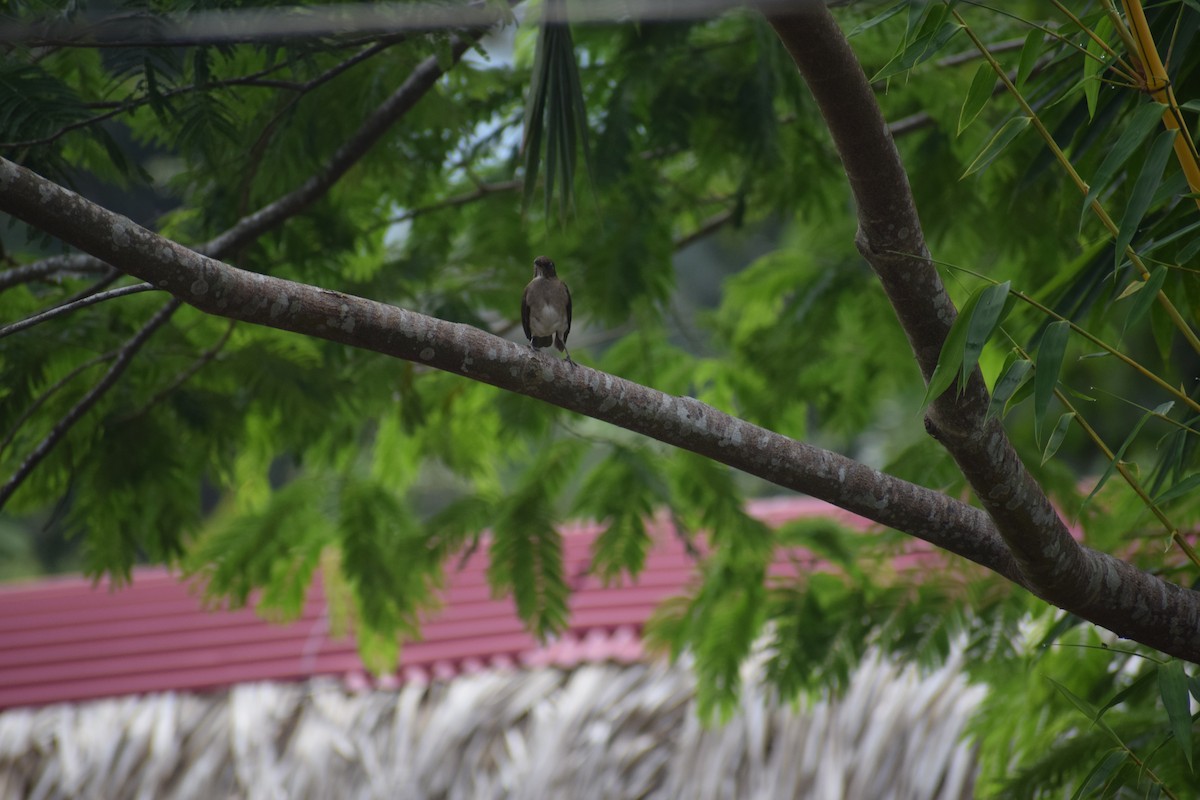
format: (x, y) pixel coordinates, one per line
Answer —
(62, 639)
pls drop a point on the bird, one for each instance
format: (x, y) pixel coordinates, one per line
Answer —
(546, 308)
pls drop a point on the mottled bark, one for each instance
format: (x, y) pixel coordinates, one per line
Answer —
(1052, 564)
(684, 422)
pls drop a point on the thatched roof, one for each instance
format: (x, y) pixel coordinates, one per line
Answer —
(595, 731)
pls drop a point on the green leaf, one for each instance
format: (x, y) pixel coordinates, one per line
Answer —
(1057, 435)
(1007, 384)
(1128, 691)
(1083, 706)
(933, 35)
(1112, 465)
(1101, 772)
(1049, 364)
(1030, 52)
(953, 350)
(1143, 191)
(1145, 296)
(995, 146)
(526, 556)
(977, 96)
(621, 493)
(1094, 64)
(1172, 686)
(1180, 489)
(987, 314)
(1144, 120)
(875, 20)
(535, 109)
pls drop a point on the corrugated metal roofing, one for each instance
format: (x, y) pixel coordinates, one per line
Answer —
(63, 639)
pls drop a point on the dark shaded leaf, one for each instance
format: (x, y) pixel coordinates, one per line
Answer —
(1057, 435)
(1007, 384)
(953, 351)
(1172, 687)
(1144, 120)
(1143, 191)
(1049, 364)
(987, 315)
(1001, 139)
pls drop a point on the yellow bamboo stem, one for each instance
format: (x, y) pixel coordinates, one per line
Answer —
(1159, 86)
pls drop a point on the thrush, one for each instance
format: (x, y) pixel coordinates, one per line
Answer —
(546, 308)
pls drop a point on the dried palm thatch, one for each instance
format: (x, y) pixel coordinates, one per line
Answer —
(595, 731)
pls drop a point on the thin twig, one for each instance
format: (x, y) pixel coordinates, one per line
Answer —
(124, 358)
(180, 379)
(43, 268)
(107, 279)
(67, 308)
(419, 81)
(709, 225)
(480, 191)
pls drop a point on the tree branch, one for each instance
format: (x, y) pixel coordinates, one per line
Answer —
(245, 230)
(255, 79)
(684, 422)
(67, 308)
(413, 89)
(43, 268)
(1058, 569)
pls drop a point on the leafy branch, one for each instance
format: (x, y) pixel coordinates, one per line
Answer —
(1122, 233)
(122, 361)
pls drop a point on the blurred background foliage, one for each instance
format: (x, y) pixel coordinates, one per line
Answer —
(691, 197)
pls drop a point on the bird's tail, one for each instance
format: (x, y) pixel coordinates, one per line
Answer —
(543, 341)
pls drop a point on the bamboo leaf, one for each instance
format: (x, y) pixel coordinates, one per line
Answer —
(1143, 191)
(1127, 692)
(1007, 385)
(933, 35)
(875, 20)
(1057, 435)
(1098, 777)
(1144, 120)
(1094, 65)
(989, 310)
(1001, 139)
(977, 96)
(1083, 706)
(1180, 489)
(1146, 296)
(1049, 364)
(1172, 686)
(1112, 465)
(1030, 52)
(951, 356)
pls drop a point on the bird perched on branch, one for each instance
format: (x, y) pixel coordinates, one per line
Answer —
(546, 308)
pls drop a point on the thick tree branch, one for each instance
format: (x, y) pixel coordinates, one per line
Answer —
(413, 89)
(226, 291)
(684, 422)
(1107, 591)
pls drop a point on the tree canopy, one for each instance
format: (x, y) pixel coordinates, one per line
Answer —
(931, 262)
